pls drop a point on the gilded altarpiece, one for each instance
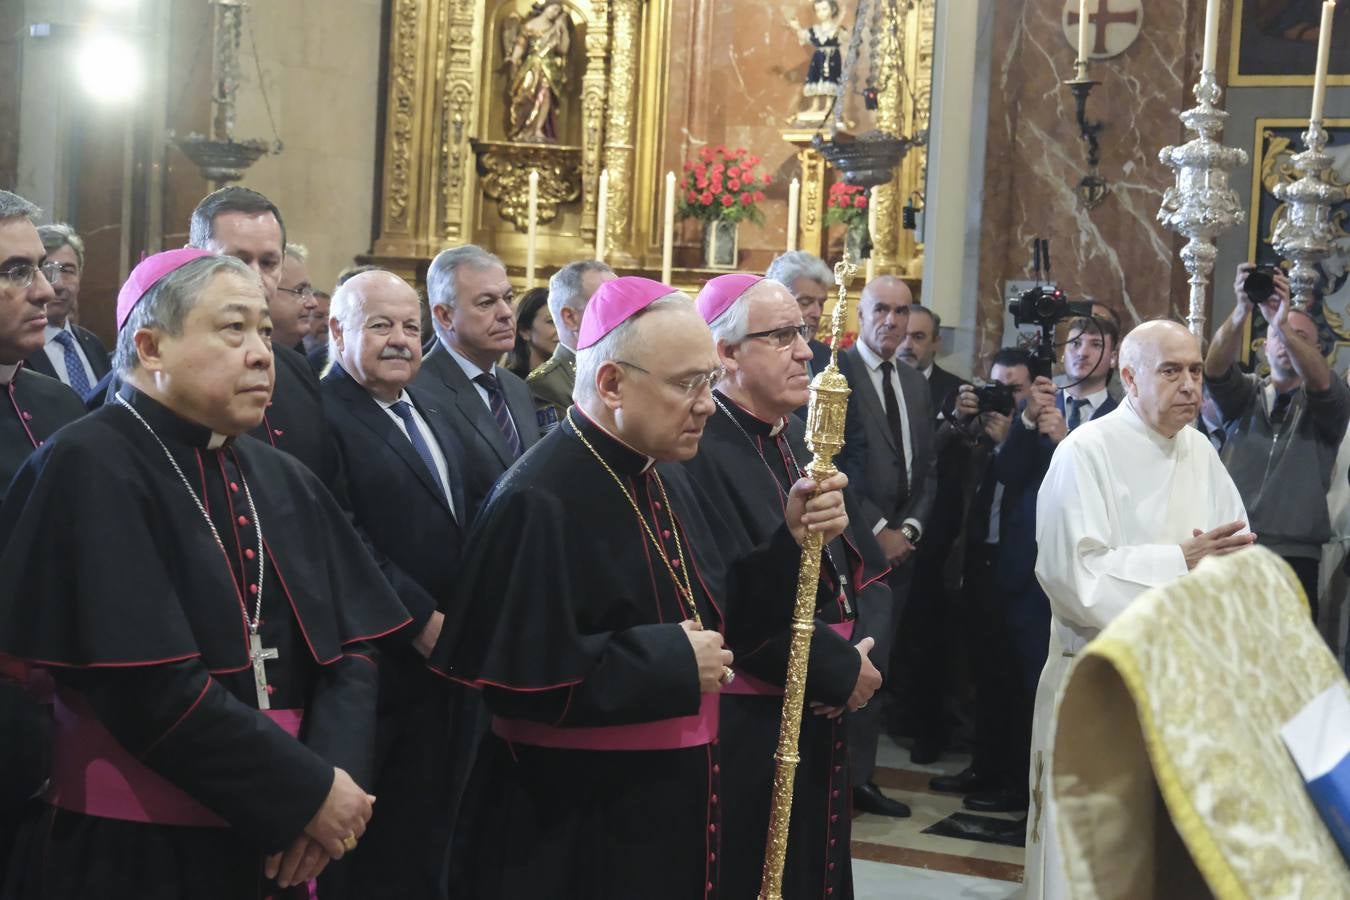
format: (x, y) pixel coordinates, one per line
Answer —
(637, 96)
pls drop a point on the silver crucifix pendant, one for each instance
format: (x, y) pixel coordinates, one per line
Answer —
(258, 655)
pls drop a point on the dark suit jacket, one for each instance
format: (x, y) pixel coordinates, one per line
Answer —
(486, 455)
(881, 470)
(942, 386)
(1021, 464)
(393, 496)
(93, 349)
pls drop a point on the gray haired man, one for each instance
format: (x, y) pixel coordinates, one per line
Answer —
(491, 410)
(71, 354)
(569, 290)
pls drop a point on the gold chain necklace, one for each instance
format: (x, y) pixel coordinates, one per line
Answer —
(683, 589)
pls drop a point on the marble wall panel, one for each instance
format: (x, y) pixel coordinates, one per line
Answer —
(1116, 252)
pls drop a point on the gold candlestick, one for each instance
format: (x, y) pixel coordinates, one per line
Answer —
(825, 437)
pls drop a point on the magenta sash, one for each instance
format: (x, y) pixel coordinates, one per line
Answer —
(747, 685)
(93, 774)
(664, 734)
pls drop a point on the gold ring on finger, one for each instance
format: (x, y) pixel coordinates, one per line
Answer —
(349, 842)
(728, 675)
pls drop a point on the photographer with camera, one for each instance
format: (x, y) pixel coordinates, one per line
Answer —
(1046, 417)
(1285, 429)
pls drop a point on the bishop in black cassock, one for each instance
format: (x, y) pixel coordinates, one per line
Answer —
(749, 460)
(207, 629)
(583, 577)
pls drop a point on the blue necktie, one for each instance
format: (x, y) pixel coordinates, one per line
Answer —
(419, 442)
(499, 411)
(75, 377)
(1075, 412)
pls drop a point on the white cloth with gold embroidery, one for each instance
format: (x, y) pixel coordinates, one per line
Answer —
(1116, 503)
(1171, 779)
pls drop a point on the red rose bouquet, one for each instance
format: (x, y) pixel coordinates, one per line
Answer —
(723, 185)
(846, 204)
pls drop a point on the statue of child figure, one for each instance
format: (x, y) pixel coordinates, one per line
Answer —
(823, 75)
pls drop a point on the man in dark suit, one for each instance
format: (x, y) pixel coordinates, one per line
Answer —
(925, 635)
(1020, 464)
(490, 409)
(899, 478)
(399, 466)
(71, 354)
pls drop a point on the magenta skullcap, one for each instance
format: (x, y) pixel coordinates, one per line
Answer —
(615, 302)
(147, 272)
(719, 293)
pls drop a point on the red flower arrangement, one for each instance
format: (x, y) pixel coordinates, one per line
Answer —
(846, 204)
(723, 184)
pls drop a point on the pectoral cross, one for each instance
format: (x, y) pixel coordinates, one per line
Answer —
(259, 655)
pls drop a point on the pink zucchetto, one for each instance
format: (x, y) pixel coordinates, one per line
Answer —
(719, 293)
(614, 303)
(147, 272)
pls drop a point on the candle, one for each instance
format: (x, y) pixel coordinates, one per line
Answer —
(1323, 52)
(1211, 36)
(1083, 31)
(532, 212)
(871, 271)
(601, 214)
(668, 241)
(794, 200)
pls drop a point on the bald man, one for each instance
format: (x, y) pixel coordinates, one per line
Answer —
(1132, 500)
(1284, 430)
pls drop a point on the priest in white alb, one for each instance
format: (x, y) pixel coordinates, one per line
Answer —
(1132, 500)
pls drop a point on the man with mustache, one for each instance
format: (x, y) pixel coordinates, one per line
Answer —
(490, 409)
(206, 625)
(399, 473)
(595, 588)
(753, 450)
(1283, 431)
(899, 482)
(71, 354)
(1133, 499)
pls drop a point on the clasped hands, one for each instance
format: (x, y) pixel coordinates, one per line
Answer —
(333, 831)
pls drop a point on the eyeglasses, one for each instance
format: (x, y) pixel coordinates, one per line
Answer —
(22, 275)
(691, 386)
(306, 292)
(55, 271)
(782, 338)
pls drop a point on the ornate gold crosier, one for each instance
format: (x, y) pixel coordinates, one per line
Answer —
(825, 437)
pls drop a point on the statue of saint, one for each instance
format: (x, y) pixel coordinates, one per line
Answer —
(825, 72)
(536, 52)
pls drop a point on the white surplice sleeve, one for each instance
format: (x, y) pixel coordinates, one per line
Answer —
(1082, 562)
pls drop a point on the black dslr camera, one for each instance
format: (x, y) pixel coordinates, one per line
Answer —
(1259, 285)
(996, 397)
(1044, 307)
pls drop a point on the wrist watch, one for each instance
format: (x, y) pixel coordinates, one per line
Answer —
(910, 532)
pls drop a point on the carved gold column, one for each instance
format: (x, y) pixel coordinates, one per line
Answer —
(411, 63)
(619, 122)
(455, 121)
(811, 213)
(889, 73)
(593, 115)
(919, 24)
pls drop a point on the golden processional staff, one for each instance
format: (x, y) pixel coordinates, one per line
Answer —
(825, 438)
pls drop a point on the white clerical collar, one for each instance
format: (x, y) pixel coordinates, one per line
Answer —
(471, 369)
(401, 398)
(217, 441)
(50, 331)
(870, 357)
(7, 373)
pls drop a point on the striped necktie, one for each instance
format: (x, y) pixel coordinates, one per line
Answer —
(497, 400)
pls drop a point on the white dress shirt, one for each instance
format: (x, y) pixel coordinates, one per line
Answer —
(873, 363)
(472, 371)
(57, 354)
(1094, 403)
(442, 470)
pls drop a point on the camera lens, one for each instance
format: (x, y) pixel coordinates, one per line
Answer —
(1259, 285)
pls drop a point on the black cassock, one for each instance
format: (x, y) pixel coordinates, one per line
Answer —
(569, 620)
(750, 465)
(115, 584)
(34, 407)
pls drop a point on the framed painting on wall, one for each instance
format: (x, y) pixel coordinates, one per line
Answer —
(1275, 43)
(1277, 140)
